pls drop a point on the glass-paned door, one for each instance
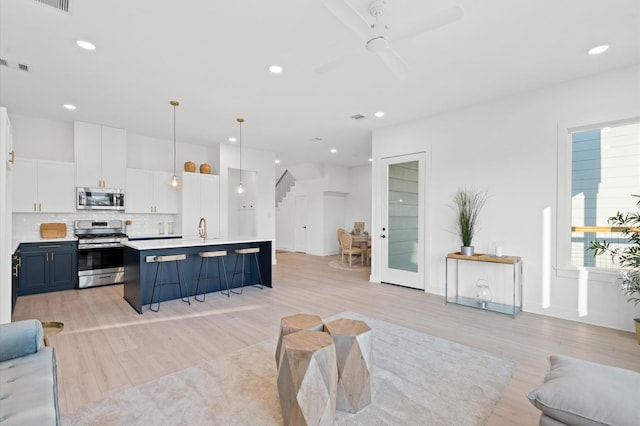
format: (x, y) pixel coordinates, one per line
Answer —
(401, 236)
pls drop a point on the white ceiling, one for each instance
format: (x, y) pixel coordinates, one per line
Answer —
(213, 56)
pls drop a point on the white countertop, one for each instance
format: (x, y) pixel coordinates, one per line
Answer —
(190, 242)
(154, 236)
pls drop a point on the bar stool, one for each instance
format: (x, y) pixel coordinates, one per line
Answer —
(204, 260)
(177, 258)
(242, 253)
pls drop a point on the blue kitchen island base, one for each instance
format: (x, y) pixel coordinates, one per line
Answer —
(140, 269)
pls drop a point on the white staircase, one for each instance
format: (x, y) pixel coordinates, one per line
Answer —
(284, 185)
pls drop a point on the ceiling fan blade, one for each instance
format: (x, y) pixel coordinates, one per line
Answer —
(434, 21)
(395, 63)
(351, 18)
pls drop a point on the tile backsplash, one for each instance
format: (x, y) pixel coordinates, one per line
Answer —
(26, 226)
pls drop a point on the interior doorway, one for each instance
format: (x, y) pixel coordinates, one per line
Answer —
(401, 235)
(301, 224)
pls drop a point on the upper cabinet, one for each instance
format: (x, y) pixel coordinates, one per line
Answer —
(200, 198)
(43, 186)
(149, 192)
(100, 155)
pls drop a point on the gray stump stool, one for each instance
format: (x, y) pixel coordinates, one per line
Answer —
(308, 378)
(242, 253)
(177, 258)
(295, 323)
(354, 356)
(222, 271)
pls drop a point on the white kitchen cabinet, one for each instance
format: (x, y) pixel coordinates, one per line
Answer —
(100, 155)
(148, 191)
(43, 186)
(200, 197)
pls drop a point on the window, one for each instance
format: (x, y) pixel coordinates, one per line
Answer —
(605, 172)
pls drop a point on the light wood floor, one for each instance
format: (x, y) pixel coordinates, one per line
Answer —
(107, 347)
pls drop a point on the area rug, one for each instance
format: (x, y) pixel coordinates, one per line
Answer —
(355, 266)
(418, 379)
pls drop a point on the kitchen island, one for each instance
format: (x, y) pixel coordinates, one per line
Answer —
(140, 267)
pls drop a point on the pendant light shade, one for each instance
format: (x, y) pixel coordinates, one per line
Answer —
(175, 182)
(240, 189)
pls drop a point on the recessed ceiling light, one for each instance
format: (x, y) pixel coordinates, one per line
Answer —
(86, 45)
(379, 114)
(69, 107)
(370, 159)
(598, 49)
(333, 150)
(277, 161)
(232, 139)
(275, 69)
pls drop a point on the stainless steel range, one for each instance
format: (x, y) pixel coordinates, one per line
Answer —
(100, 252)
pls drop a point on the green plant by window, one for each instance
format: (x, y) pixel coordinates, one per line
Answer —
(628, 257)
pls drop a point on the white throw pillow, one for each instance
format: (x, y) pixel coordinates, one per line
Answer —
(578, 392)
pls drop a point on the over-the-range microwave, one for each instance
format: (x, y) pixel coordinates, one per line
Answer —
(99, 199)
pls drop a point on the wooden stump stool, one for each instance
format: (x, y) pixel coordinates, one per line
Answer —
(294, 323)
(354, 356)
(308, 379)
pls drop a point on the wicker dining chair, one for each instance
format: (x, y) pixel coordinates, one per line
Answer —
(346, 243)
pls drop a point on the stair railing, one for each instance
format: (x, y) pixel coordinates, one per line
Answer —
(283, 186)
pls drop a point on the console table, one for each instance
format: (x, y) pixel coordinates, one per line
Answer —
(453, 293)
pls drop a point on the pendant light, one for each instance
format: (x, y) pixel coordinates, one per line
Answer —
(175, 182)
(240, 189)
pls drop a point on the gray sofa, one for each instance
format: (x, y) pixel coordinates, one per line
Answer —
(28, 384)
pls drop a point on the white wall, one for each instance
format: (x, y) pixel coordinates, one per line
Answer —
(42, 139)
(510, 147)
(358, 201)
(148, 153)
(262, 163)
(335, 199)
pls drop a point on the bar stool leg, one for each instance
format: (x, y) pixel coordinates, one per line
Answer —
(224, 270)
(204, 260)
(180, 273)
(235, 272)
(155, 281)
(260, 286)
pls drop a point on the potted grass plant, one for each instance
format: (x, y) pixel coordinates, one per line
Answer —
(468, 203)
(627, 257)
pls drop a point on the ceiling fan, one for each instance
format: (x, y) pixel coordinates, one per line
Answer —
(376, 34)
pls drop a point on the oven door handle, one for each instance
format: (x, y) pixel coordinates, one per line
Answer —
(96, 246)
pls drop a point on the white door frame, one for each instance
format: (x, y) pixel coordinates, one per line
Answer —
(380, 271)
(300, 223)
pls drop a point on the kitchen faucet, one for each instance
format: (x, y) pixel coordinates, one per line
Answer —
(202, 228)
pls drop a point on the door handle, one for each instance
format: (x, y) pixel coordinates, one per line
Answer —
(383, 236)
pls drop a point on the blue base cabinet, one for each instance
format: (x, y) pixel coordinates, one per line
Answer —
(47, 267)
(139, 271)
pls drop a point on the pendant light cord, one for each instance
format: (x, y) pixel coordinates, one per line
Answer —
(241, 153)
(174, 140)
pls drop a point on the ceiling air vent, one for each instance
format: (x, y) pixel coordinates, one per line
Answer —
(358, 117)
(62, 5)
(14, 65)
